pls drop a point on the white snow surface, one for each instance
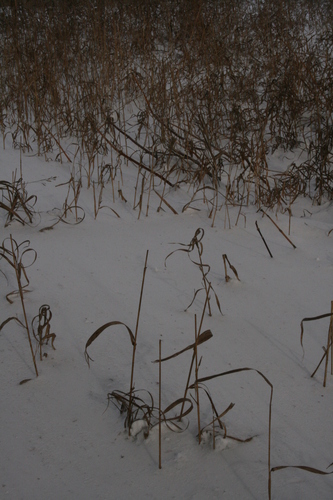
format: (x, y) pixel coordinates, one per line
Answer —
(59, 438)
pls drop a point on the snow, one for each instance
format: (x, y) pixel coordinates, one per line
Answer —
(60, 438)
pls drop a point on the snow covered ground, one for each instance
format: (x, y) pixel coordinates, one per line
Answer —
(59, 439)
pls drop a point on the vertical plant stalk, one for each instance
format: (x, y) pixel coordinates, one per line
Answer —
(207, 284)
(23, 306)
(269, 438)
(43, 330)
(225, 261)
(141, 195)
(290, 214)
(227, 278)
(331, 330)
(129, 416)
(159, 406)
(95, 203)
(263, 239)
(196, 376)
(329, 346)
(193, 359)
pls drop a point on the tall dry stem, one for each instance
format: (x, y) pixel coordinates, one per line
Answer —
(129, 418)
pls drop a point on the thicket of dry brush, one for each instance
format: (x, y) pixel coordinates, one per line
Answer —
(199, 92)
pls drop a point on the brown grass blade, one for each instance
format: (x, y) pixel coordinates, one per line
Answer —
(203, 337)
(12, 213)
(303, 467)
(24, 381)
(194, 297)
(10, 319)
(174, 251)
(314, 318)
(100, 330)
(174, 405)
(60, 218)
(217, 416)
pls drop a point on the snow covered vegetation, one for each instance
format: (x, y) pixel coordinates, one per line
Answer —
(166, 235)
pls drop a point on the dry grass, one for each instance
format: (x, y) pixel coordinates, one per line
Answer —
(16, 203)
(20, 257)
(15, 255)
(196, 93)
(141, 413)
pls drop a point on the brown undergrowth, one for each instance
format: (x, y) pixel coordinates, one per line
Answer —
(194, 94)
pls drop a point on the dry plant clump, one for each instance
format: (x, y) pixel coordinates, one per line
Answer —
(141, 413)
(16, 202)
(20, 257)
(199, 94)
(14, 255)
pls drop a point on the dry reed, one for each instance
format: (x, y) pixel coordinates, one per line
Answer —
(191, 103)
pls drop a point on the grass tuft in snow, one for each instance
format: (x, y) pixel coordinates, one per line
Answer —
(16, 202)
(14, 255)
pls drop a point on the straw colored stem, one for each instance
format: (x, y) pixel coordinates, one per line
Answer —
(193, 359)
(159, 407)
(331, 336)
(328, 347)
(288, 239)
(263, 239)
(134, 346)
(196, 376)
